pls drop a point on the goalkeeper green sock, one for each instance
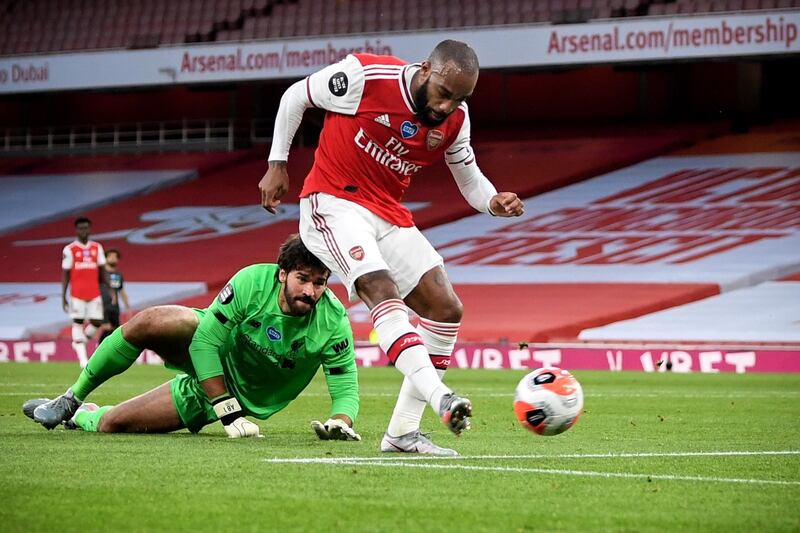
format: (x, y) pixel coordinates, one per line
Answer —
(112, 357)
(89, 420)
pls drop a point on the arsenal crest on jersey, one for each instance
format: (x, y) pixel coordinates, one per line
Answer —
(434, 139)
(357, 253)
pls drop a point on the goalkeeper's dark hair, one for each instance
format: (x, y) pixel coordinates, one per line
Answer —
(294, 255)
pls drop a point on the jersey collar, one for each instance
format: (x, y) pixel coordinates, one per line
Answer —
(405, 85)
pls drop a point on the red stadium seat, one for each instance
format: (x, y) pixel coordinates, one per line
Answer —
(702, 6)
(603, 12)
(74, 24)
(262, 24)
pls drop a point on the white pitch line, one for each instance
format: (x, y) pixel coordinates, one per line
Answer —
(582, 473)
(414, 462)
(404, 458)
(510, 395)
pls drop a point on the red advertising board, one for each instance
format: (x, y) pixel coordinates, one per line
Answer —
(496, 356)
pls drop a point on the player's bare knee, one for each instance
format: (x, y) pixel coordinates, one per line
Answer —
(375, 287)
(450, 311)
(159, 322)
(145, 326)
(453, 312)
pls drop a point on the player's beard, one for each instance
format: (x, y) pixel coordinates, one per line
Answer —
(423, 111)
(296, 308)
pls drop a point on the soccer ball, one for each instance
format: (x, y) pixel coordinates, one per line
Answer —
(548, 401)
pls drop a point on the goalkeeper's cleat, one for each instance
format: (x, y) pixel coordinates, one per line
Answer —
(414, 442)
(30, 406)
(70, 424)
(56, 411)
(455, 412)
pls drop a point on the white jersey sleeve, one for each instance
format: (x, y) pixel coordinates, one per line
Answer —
(337, 88)
(101, 255)
(66, 258)
(474, 186)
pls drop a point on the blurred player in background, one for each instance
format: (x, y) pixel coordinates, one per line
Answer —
(115, 288)
(80, 265)
(386, 120)
(250, 353)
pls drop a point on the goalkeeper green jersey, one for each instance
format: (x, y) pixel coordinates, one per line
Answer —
(268, 357)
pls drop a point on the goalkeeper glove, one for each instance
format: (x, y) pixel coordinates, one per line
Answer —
(334, 429)
(229, 413)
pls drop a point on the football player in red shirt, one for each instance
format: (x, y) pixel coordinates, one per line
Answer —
(385, 121)
(80, 265)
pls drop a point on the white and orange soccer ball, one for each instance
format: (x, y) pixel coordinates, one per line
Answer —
(548, 401)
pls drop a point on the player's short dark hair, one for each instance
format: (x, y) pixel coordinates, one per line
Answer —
(294, 255)
(114, 251)
(457, 52)
(81, 220)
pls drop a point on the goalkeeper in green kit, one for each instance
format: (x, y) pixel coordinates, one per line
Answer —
(250, 353)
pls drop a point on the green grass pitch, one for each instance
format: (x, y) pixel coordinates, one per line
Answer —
(652, 452)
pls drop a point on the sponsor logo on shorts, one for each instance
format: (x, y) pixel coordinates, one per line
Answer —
(226, 294)
(357, 253)
(274, 334)
(338, 84)
(408, 130)
(433, 139)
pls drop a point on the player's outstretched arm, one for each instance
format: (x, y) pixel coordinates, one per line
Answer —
(275, 182)
(337, 427)
(336, 88)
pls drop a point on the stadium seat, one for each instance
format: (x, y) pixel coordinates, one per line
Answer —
(86, 25)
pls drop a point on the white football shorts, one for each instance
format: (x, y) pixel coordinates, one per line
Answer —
(83, 310)
(352, 241)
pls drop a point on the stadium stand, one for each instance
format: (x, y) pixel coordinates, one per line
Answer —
(160, 229)
(38, 26)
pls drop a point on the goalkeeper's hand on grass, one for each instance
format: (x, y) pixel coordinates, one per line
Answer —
(236, 425)
(334, 429)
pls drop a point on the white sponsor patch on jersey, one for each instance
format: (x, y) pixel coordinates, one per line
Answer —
(384, 120)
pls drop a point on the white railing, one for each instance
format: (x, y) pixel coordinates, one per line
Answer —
(208, 134)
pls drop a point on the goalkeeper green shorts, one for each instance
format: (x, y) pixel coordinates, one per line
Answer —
(191, 401)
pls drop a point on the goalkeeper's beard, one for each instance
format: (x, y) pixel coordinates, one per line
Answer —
(298, 305)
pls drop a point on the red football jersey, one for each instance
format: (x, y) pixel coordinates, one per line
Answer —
(83, 262)
(372, 143)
